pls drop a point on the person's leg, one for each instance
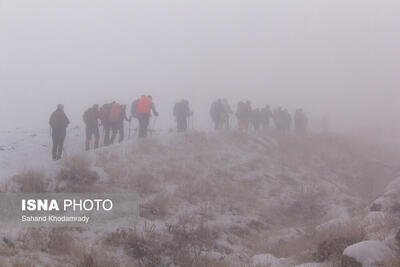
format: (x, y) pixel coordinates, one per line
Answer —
(146, 121)
(181, 126)
(107, 135)
(55, 144)
(121, 132)
(88, 137)
(184, 124)
(114, 128)
(141, 125)
(61, 144)
(178, 124)
(96, 134)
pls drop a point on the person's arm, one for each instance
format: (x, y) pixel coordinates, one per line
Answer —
(51, 120)
(66, 120)
(153, 108)
(126, 118)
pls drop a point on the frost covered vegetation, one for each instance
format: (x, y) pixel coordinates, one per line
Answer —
(225, 199)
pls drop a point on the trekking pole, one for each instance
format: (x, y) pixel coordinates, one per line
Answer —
(129, 132)
(50, 137)
(64, 151)
(154, 125)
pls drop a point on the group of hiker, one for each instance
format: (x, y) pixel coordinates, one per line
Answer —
(256, 118)
(221, 112)
(112, 117)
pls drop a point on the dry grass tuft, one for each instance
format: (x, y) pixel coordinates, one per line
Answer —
(98, 258)
(76, 176)
(144, 182)
(56, 241)
(332, 241)
(31, 182)
(155, 209)
(146, 246)
(61, 242)
(190, 243)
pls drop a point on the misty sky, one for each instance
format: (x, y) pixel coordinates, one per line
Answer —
(339, 57)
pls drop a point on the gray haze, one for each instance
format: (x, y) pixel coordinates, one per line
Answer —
(336, 58)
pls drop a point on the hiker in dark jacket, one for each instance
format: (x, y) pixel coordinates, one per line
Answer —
(279, 120)
(287, 118)
(216, 113)
(266, 116)
(226, 113)
(105, 111)
(256, 118)
(58, 123)
(91, 119)
(300, 121)
(119, 127)
(182, 113)
(244, 114)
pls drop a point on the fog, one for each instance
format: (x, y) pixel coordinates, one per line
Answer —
(338, 59)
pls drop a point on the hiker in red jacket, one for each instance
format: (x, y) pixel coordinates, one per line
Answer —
(144, 107)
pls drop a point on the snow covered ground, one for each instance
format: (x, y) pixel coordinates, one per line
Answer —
(26, 149)
(212, 199)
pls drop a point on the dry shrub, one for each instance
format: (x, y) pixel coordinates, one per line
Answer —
(295, 247)
(206, 261)
(112, 163)
(106, 156)
(34, 238)
(22, 262)
(370, 184)
(57, 241)
(257, 242)
(146, 246)
(76, 176)
(61, 242)
(191, 243)
(31, 182)
(392, 262)
(156, 208)
(98, 257)
(382, 228)
(149, 146)
(331, 242)
(305, 207)
(144, 183)
(197, 191)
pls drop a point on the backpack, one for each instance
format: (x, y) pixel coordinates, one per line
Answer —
(86, 116)
(104, 112)
(115, 112)
(133, 109)
(143, 105)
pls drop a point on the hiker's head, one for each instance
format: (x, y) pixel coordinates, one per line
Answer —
(60, 107)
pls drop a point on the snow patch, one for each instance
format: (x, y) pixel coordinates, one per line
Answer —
(368, 252)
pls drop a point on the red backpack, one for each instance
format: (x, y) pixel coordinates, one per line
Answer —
(115, 112)
(143, 106)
